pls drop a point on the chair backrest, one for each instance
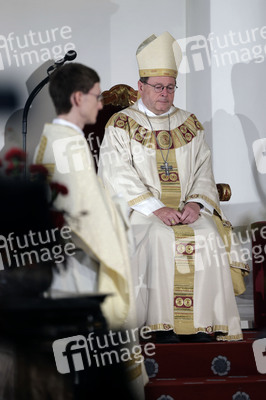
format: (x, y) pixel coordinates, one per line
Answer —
(115, 99)
(120, 95)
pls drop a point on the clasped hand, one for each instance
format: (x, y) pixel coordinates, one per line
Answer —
(170, 216)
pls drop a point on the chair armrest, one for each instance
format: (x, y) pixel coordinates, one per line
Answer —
(224, 191)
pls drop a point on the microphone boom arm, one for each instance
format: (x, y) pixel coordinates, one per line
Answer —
(27, 107)
(69, 56)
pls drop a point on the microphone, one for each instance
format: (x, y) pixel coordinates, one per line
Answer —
(69, 56)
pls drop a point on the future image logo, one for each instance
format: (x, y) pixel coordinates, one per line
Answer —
(220, 50)
(78, 353)
(34, 47)
(259, 350)
(196, 54)
(36, 247)
(259, 151)
(71, 354)
(71, 154)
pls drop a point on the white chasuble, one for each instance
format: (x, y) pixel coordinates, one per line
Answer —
(182, 273)
(96, 226)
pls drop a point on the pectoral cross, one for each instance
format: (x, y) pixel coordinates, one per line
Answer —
(166, 168)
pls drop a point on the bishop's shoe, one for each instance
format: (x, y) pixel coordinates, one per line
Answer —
(166, 337)
(200, 337)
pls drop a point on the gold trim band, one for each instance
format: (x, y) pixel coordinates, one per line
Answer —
(157, 72)
(139, 199)
(41, 150)
(206, 198)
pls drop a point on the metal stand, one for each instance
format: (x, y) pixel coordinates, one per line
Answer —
(69, 56)
(25, 115)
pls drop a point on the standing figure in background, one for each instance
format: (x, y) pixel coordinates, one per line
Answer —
(98, 229)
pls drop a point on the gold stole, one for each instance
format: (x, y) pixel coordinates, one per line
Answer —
(184, 240)
(170, 196)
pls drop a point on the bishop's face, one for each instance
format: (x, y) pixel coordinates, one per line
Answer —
(158, 103)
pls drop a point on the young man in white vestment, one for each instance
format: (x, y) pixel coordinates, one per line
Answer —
(186, 267)
(98, 228)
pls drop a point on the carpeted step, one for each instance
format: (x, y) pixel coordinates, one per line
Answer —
(201, 360)
(216, 370)
(220, 388)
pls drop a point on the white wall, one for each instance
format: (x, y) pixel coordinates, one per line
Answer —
(104, 33)
(133, 22)
(227, 96)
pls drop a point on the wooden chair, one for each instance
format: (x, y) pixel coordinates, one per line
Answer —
(114, 100)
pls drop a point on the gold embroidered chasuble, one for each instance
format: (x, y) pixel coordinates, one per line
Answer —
(132, 163)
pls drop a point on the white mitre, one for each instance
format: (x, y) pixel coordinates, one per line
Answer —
(159, 56)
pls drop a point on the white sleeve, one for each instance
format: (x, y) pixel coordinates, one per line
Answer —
(148, 206)
(203, 202)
